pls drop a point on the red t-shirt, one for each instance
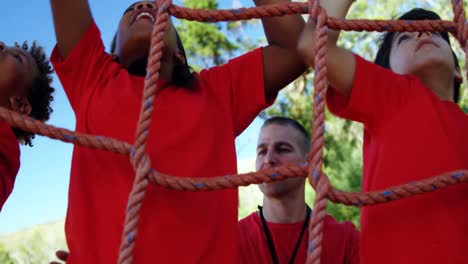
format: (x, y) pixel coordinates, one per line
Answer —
(192, 135)
(339, 245)
(9, 161)
(409, 135)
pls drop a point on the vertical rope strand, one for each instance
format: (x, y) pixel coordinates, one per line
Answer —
(316, 177)
(141, 162)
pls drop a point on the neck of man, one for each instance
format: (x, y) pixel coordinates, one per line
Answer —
(288, 209)
(439, 82)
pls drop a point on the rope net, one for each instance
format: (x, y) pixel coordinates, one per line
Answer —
(141, 162)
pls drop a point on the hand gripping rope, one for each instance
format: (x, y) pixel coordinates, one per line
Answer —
(317, 178)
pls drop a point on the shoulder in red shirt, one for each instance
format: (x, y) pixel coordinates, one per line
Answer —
(409, 135)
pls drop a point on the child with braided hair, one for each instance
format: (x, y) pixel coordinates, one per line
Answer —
(196, 119)
(413, 130)
(24, 88)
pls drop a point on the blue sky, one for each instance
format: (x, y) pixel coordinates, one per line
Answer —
(41, 188)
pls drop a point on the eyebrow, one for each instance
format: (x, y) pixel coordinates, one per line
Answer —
(261, 146)
(397, 34)
(279, 143)
(25, 57)
(15, 51)
(23, 54)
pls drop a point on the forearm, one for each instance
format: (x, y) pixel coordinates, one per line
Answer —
(336, 11)
(341, 68)
(340, 62)
(71, 20)
(282, 31)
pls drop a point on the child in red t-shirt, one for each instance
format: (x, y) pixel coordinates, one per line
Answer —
(196, 119)
(24, 88)
(413, 130)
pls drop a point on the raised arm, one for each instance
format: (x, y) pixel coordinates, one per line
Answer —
(341, 64)
(71, 20)
(282, 64)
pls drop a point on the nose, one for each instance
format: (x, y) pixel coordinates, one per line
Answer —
(424, 35)
(145, 4)
(270, 160)
(3, 47)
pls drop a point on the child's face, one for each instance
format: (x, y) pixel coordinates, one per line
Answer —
(18, 69)
(134, 33)
(413, 52)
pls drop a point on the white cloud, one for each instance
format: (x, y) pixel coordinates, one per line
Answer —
(236, 4)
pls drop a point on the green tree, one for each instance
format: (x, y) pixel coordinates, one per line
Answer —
(33, 245)
(5, 257)
(209, 44)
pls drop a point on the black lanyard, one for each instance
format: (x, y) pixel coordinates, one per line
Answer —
(271, 245)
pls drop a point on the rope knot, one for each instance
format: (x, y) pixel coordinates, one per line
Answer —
(317, 13)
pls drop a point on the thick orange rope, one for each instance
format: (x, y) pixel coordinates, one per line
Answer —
(317, 178)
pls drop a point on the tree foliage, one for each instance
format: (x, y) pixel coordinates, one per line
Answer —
(5, 257)
(33, 245)
(209, 44)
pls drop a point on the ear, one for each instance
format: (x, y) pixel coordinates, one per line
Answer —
(458, 75)
(20, 104)
(179, 57)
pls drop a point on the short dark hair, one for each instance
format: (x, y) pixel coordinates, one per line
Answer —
(40, 92)
(383, 54)
(182, 75)
(286, 121)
